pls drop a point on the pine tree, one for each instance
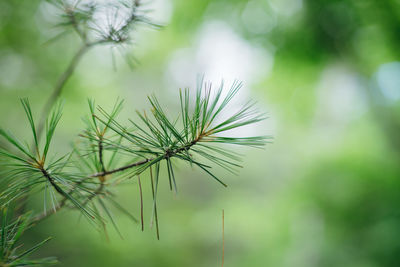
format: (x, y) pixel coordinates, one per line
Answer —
(110, 151)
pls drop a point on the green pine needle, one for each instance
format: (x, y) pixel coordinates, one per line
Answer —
(11, 232)
(199, 135)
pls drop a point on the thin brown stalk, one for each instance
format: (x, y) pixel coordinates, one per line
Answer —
(135, 164)
(102, 178)
(141, 203)
(100, 145)
(155, 204)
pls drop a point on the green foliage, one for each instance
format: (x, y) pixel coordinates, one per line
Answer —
(160, 138)
(109, 23)
(28, 171)
(197, 136)
(110, 152)
(11, 232)
(192, 137)
(324, 194)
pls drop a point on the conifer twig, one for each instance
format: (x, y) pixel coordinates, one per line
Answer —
(116, 33)
(161, 141)
(120, 169)
(45, 214)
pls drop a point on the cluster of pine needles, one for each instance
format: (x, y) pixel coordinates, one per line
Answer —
(103, 23)
(110, 152)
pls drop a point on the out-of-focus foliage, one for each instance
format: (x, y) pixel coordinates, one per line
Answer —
(324, 194)
(10, 233)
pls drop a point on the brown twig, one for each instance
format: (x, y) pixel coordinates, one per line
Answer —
(154, 204)
(100, 145)
(135, 164)
(141, 203)
(46, 214)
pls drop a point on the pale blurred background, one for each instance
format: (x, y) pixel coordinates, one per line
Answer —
(327, 73)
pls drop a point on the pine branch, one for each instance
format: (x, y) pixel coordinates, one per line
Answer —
(80, 17)
(120, 169)
(103, 169)
(155, 140)
(196, 136)
(168, 153)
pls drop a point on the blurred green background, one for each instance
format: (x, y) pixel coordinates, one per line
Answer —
(327, 72)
